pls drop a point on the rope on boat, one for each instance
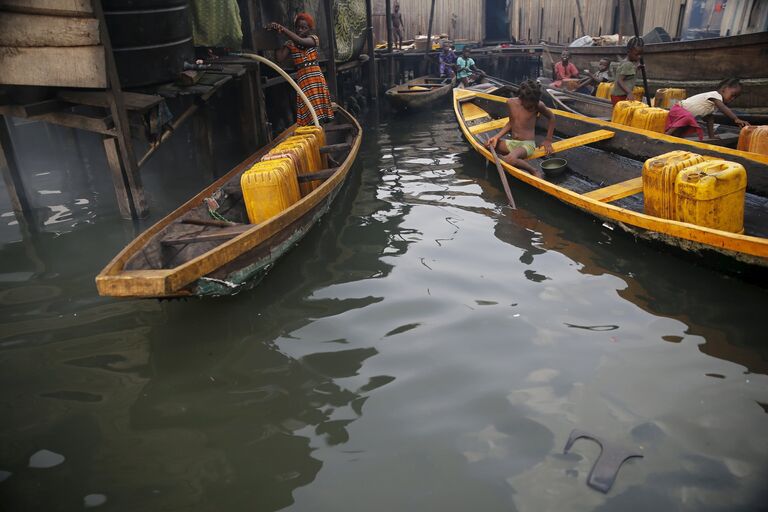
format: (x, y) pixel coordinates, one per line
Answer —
(288, 79)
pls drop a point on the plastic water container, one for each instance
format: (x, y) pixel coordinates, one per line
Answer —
(269, 188)
(312, 148)
(669, 97)
(624, 110)
(604, 90)
(319, 135)
(711, 194)
(650, 118)
(659, 175)
(754, 139)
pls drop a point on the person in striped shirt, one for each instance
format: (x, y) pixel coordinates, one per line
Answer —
(301, 47)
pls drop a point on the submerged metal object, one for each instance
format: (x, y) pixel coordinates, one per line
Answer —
(607, 466)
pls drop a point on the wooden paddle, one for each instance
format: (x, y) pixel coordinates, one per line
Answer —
(503, 177)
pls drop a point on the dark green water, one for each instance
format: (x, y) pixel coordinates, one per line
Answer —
(423, 348)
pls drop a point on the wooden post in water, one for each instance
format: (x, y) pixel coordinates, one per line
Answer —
(581, 18)
(9, 168)
(130, 200)
(642, 64)
(331, 35)
(390, 60)
(373, 83)
(429, 37)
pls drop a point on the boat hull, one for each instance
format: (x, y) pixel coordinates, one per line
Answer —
(673, 64)
(401, 97)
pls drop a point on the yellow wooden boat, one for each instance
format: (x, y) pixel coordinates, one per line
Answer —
(604, 179)
(195, 251)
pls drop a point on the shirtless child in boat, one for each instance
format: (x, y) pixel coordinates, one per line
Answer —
(523, 112)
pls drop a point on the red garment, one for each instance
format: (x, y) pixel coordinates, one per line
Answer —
(616, 99)
(312, 82)
(563, 72)
(680, 118)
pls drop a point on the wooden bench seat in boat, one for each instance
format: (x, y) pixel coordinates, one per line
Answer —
(217, 234)
(617, 191)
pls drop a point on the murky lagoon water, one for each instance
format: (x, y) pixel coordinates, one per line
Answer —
(423, 348)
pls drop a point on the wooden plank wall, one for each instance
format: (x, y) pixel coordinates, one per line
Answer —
(460, 19)
(560, 17)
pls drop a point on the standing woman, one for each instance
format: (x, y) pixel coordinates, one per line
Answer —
(301, 46)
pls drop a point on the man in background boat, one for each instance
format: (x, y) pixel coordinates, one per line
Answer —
(565, 69)
(626, 73)
(523, 112)
(466, 71)
(447, 60)
(302, 48)
(397, 25)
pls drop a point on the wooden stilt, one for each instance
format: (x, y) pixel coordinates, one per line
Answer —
(265, 134)
(331, 35)
(429, 35)
(248, 116)
(204, 138)
(390, 60)
(373, 83)
(12, 177)
(139, 207)
(118, 177)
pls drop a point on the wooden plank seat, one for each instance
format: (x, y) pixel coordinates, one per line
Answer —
(333, 148)
(218, 234)
(470, 111)
(617, 190)
(573, 142)
(496, 124)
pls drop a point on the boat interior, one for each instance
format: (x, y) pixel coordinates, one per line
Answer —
(600, 166)
(421, 85)
(220, 213)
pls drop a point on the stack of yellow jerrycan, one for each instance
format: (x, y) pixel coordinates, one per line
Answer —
(754, 139)
(650, 118)
(269, 187)
(659, 175)
(319, 135)
(669, 97)
(624, 110)
(711, 194)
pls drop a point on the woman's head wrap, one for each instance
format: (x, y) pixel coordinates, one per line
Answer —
(306, 17)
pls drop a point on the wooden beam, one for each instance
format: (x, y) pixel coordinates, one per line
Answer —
(248, 114)
(118, 177)
(429, 31)
(218, 235)
(27, 30)
(573, 142)
(133, 101)
(32, 109)
(139, 207)
(373, 83)
(9, 168)
(496, 124)
(333, 148)
(331, 35)
(317, 176)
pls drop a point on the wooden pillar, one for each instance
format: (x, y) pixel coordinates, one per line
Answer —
(118, 177)
(390, 60)
(248, 114)
(581, 18)
(265, 134)
(429, 37)
(12, 177)
(331, 35)
(373, 83)
(130, 167)
(203, 137)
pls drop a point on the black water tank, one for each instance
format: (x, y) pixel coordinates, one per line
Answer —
(151, 39)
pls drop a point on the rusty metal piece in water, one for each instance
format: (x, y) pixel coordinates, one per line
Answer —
(605, 469)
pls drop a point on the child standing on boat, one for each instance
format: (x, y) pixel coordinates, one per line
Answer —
(626, 73)
(302, 48)
(681, 120)
(523, 112)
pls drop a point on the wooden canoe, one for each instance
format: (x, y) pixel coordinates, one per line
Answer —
(604, 179)
(586, 105)
(188, 254)
(708, 61)
(419, 92)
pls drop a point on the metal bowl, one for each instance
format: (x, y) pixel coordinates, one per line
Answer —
(554, 166)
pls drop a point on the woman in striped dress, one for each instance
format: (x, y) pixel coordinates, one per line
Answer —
(302, 48)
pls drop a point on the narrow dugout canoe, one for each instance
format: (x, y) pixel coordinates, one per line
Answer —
(604, 180)
(673, 64)
(586, 105)
(419, 92)
(188, 253)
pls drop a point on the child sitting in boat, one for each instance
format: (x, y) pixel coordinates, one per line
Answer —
(447, 60)
(681, 120)
(523, 112)
(565, 69)
(590, 83)
(626, 73)
(467, 73)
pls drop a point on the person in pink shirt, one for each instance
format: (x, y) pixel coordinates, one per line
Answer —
(564, 69)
